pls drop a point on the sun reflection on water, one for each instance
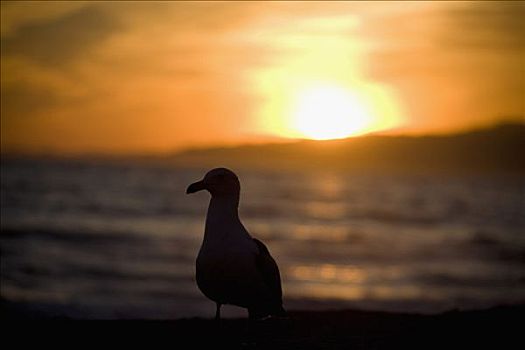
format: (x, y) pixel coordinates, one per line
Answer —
(329, 273)
(350, 282)
(329, 186)
(360, 292)
(325, 233)
(324, 210)
(328, 204)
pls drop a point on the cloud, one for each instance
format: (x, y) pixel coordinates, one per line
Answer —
(15, 14)
(22, 100)
(442, 38)
(145, 70)
(452, 61)
(485, 25)
(59, 40)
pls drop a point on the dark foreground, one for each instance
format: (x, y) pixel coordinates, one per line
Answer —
(496, 328)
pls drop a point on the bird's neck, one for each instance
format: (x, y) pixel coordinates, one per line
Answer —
(223, 214)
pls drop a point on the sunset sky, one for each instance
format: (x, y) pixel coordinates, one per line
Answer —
(155, 77)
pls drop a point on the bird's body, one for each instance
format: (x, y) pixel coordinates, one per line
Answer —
(232, 267)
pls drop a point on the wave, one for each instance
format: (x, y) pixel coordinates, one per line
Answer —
(77, 237)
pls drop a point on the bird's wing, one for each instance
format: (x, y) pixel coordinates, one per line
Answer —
(269, 271)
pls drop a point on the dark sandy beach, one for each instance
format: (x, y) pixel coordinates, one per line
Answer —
(497, 328)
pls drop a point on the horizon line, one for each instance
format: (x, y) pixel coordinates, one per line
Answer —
(272, 140)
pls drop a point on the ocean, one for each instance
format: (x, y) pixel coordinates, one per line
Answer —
(118, 240)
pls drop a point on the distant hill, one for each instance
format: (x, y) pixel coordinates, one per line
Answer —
(500, 148)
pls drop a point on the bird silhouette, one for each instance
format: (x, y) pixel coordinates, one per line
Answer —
(232, 267)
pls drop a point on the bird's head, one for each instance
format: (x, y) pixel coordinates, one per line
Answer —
(219, 182)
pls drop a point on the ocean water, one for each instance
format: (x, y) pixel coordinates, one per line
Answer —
(99, 240)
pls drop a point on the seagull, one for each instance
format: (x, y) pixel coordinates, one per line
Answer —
(232, 267)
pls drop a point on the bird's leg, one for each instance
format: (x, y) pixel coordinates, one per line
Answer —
(218, 311)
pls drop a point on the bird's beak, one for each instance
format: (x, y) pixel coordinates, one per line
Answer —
(195, 187)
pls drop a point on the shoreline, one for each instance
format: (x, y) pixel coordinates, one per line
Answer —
(497, 327)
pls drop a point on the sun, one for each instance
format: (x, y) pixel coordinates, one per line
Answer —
(326, 112)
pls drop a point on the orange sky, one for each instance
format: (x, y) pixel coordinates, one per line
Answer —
(153, 77)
